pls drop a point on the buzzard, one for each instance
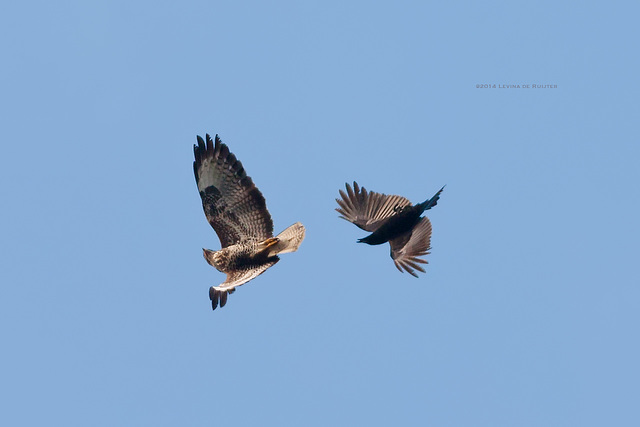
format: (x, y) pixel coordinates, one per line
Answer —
(390, 219)
(238, 213)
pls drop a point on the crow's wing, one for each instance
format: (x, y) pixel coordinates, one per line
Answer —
(368, 209)
(406, 248)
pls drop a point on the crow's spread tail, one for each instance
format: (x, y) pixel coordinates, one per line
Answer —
(428, 204)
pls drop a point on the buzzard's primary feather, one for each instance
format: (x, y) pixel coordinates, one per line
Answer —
(238, 213)
(390, 219)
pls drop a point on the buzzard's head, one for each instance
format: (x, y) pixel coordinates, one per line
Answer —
(217, 259)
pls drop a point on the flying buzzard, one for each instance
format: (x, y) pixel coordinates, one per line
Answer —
(390, 219)
(238, 213)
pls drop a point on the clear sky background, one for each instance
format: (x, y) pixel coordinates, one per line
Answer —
(528, 314)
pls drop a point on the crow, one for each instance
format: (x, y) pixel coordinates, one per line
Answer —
(391, 219)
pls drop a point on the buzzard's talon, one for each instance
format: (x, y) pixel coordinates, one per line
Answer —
(269, 242)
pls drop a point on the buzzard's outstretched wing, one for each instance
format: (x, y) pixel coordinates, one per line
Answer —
(406, 248)
(366, 209)
(218, 294)
(232, 203)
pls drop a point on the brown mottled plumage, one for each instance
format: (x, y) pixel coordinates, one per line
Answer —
(238, 213)
(390, 219)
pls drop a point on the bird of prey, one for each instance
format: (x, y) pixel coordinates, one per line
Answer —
(390, 219)
(238, 213)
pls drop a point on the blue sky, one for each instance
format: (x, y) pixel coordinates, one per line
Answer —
(528, 312)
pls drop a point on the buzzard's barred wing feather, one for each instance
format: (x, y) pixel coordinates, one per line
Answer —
(406, 249)
(218, 294)
(232, 203)
(244, 274)
(367, 209)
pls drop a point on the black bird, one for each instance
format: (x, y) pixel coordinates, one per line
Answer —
(390, 219)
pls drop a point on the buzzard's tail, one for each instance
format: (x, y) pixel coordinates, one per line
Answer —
(289, 240)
